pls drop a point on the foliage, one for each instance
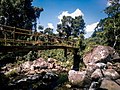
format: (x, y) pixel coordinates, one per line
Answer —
(108, 30)
(12, 73)
(48, 31)
(71, 26)
(57, 54)
(63, 78)
(40, 27)
(113, 9)
(31, 55)
(19, 13)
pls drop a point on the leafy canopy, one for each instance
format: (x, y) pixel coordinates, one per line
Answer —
(71, 26)
(19, 13)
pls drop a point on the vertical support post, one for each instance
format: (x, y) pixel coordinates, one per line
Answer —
(76, 60)
(14, 35)
(5, 38)
(65, 53)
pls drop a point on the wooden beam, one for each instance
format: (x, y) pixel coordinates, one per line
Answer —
(31, 48)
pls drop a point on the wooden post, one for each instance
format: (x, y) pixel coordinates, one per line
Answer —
(76, 60)
(5, 38)
(65, 53)
(14, 35)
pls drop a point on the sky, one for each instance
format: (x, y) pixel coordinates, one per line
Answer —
(54, 10)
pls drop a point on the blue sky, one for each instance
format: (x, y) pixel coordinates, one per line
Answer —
(92, 11)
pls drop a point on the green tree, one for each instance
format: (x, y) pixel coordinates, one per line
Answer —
(48, 31)
(40, 27)
(19, 13)
(71, 26)
(108, 29)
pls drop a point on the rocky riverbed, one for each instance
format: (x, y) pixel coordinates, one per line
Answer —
(101, 72)
(34, 75)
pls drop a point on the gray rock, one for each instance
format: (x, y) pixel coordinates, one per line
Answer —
(111, 73)
(100, 54)
(40, 63)
(51, 60)
(26, 65)
(109, 85)
(76, 77)
(97, 74)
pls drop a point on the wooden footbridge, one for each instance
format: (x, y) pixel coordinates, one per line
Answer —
(14, 39)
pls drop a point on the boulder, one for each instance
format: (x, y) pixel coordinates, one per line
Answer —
(109, 65)
(118, 81)
(51, 60)
(97, 74)
(116, 67)
(51, 65)
(109, 85)
(40, 64)
(111, 73)
(91, 67)
(26, 65)
(100, 54)
(76, 77)
(50, 77)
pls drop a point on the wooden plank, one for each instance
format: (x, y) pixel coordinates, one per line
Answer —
(25, 30)
(10, 27)
(23, 33)
(18, 32)
(31, 48)
(15, 41)
(7, 40)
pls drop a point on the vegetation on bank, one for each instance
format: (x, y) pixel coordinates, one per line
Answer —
(106, 33)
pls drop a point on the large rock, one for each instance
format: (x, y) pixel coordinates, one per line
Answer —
(111, 73)
(93, 66)
(97, 74)
(26, 65)
(116, 67)
(46, 80)
(36, 64)
(40, 64)
(76, 77)
(100, 54)
(51, 60)
(109, 85)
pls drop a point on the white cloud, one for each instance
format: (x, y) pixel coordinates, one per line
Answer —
(91, 27)
(50, 25)
(108, 3)
(77, 12)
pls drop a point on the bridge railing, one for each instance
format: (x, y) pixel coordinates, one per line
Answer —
(16, 36)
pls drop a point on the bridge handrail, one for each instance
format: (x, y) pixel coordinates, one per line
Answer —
(27, 33)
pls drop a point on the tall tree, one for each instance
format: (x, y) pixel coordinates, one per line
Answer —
(71, 26)
(40, 28)
(19, 13)
(48, 31)
(109, 28)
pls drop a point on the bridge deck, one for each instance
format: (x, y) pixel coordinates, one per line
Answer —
(32, 48)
